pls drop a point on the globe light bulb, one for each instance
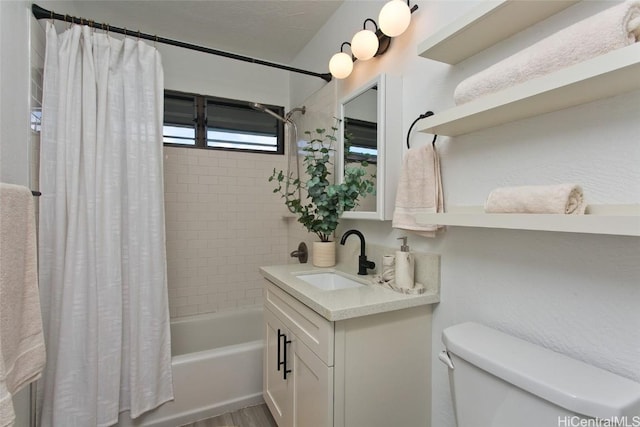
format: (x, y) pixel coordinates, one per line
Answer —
(394, 18)
(340, 65)
(364, 45)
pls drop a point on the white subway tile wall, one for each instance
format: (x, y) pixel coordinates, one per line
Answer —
(223, 222)
(321, 113)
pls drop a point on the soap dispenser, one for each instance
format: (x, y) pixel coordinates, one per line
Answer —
(405, 266)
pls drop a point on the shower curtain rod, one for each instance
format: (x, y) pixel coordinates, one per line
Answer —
(41, 13)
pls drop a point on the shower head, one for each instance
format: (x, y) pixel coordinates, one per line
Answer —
(302, 110)
(260, 107)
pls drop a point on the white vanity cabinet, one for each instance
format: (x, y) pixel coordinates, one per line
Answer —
(297, 384)
(371, 370)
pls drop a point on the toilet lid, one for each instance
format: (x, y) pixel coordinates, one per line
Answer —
(566, 382)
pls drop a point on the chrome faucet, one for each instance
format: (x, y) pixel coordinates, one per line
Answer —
(363, 263)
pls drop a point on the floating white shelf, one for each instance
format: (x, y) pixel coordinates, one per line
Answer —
(607, 75)
(620, 220)
(485, 25)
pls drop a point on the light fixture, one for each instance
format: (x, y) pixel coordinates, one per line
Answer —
(341, 64)
(395, 17)
(364, 44)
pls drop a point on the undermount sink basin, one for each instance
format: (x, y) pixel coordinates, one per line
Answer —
(329, 281)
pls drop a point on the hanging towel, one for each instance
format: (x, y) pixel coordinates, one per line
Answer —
(22, 353)
(540, 199)
(419, 190)
(611, 29)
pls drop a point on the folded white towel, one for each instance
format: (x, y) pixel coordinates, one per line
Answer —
(22, 354)
(541, 199)
(611, 29)
(419, 190)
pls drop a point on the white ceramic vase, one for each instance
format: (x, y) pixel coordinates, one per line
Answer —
(324, 254)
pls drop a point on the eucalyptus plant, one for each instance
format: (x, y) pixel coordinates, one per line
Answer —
(320, 212)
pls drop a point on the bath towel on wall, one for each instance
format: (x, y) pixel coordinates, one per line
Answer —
(419, 190)
(22, 353)
(537, 199)
(614, 28)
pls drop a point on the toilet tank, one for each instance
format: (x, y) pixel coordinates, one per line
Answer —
(501, 381)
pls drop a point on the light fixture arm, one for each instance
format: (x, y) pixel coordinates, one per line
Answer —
(353, 58)
(364, 25)
(384, 41)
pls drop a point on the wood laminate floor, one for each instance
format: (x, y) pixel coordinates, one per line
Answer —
(253, 416)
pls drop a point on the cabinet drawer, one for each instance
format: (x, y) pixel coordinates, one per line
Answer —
(311, 328)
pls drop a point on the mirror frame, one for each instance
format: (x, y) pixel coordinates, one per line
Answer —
(389, 128)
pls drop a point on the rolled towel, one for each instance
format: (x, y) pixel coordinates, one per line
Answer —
(611, 29)
(540, 199)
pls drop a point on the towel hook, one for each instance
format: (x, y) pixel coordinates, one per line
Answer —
(420, 117)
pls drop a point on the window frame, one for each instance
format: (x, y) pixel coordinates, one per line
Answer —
(201, 120)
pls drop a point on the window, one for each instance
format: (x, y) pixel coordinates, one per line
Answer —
(180, 120)
(216, 123)
(362, 137)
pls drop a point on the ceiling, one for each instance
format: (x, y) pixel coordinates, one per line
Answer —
(273, 30)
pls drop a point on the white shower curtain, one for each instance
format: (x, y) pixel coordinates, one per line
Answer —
(102, 239)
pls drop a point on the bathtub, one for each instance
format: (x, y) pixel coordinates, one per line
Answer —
(217, 368)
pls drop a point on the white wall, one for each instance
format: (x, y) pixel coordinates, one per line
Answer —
(14, 121)
(191, 71)
(576, 294)
(14, 87)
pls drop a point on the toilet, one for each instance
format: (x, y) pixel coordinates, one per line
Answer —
(498, 380)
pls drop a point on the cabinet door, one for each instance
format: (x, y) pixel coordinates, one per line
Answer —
(277, 392)
(312, 388)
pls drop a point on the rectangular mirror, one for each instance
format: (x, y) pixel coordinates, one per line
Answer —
(366, 121)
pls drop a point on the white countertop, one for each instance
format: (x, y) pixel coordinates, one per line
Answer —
(343, 303)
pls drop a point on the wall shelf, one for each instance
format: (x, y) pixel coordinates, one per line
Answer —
(485, 25)
(607, 75)
(620, 220)
(614, 73)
